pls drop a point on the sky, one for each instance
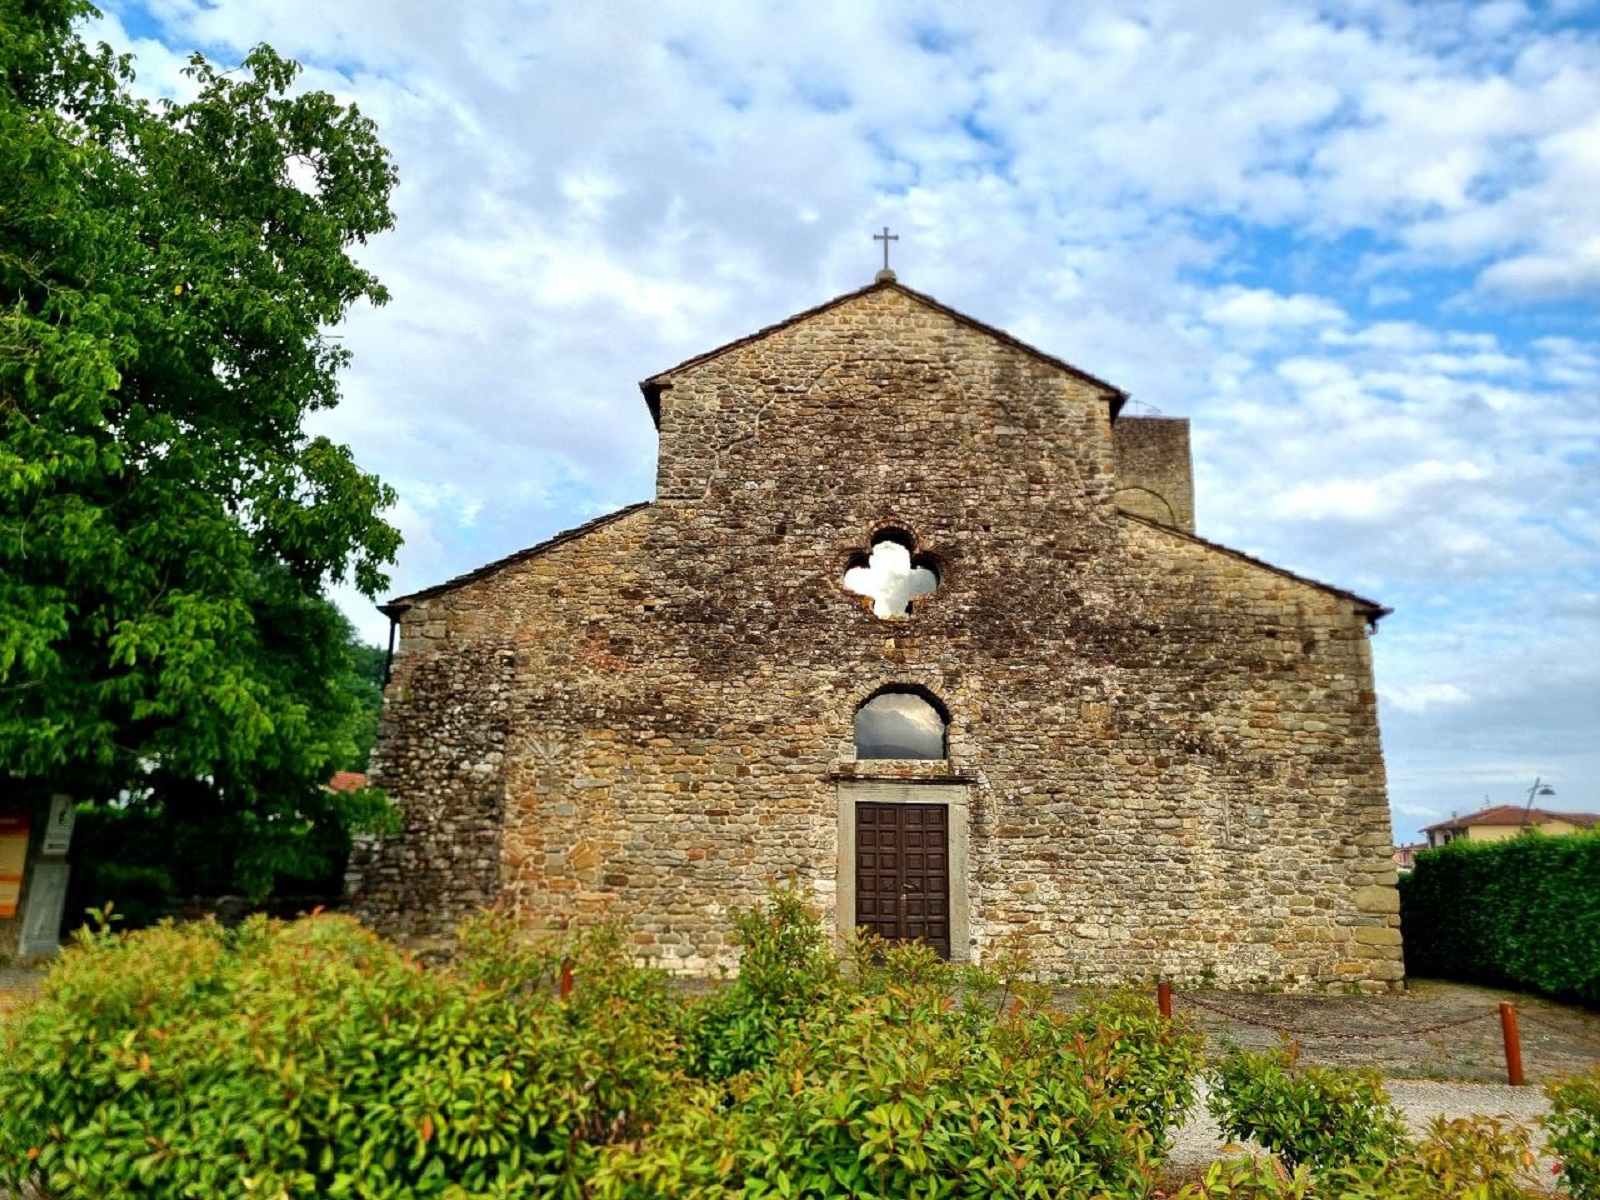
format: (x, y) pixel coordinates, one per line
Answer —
(1357, 244)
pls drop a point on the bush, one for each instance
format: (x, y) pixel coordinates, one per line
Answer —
(140, 896)
(915, 1083)
(312, 1059)
(1470, 1159)
(1250, 1177)
(1156, 1061)
(786, 969)
(1487, 912)
(1574, 1125)
(1318, 1116)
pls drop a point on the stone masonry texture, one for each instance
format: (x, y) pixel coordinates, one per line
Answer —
(1154, 475)
(1169, 751)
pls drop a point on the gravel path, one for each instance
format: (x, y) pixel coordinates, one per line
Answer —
(1436, 1030)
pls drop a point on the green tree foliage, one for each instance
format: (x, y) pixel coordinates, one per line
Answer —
(1523, 912)
(172, 838)
(363, 683)
(167, 525)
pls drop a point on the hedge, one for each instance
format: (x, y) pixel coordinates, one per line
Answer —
(1522, 913)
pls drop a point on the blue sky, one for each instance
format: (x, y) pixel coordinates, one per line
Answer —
(1358, 244)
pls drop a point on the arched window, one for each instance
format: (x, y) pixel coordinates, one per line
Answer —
(891, 575)
(900, 724)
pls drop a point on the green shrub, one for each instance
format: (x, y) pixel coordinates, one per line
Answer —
(1477, 1158)
(1485, 913)
(312, 1059)
(1249, 1177)
(1574, 1132)
(1156, 1060)
(1314, 1115)
(785, 970)
(908, 1086)
(140, 896)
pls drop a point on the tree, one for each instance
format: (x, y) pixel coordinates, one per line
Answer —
(363, 681)
(168, 272)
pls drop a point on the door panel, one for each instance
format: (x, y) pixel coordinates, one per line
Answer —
(903, 872)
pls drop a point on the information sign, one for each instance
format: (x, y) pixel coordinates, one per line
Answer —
(14, 829)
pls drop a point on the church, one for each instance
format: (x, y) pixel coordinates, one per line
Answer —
(917, 621)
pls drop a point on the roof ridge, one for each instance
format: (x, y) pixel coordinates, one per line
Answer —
(1376, 612)
(656, 383)
(1510, 811)
(550, 543)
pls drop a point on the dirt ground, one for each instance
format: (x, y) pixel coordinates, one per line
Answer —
(16, 985)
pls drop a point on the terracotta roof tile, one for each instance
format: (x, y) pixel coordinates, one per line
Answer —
(1513, 814)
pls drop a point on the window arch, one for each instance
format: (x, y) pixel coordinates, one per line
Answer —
(901, 723)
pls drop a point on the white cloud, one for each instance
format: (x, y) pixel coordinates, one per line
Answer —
(1420, 697)
(1573, 271)
(1260, 309)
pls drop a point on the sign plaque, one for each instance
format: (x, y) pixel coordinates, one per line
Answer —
(58, 834)
(14, 829)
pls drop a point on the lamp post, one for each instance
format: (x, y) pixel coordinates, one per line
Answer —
(1539, 788)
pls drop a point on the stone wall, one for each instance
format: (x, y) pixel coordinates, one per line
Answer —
(1167, 753)
(1155, 474)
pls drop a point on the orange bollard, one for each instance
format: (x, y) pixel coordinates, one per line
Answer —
(1164, 998)
(1508, 1029)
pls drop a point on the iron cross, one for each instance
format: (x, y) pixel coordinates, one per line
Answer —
(886, 237)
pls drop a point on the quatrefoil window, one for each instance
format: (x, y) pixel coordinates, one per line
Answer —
(891, 575)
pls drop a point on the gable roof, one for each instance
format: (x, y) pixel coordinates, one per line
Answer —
(400, 603)
(1514, 814)
(659, 382)
(1374, 611)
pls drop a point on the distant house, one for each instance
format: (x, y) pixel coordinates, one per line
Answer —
(347, 781)
(1405, 857)
(1504, 821)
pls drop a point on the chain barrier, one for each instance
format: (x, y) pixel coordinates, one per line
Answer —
(1552, 1027)
(1298, 1035)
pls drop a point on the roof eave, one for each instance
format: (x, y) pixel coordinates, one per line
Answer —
(1370, 610)
(401, 604)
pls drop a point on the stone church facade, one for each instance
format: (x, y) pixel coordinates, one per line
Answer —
(1077, 726)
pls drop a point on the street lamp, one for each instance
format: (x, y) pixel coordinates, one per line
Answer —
(1539, 788)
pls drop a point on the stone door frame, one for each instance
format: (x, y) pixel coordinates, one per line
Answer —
(954, 796)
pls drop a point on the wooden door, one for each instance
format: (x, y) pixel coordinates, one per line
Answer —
(903, 872)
